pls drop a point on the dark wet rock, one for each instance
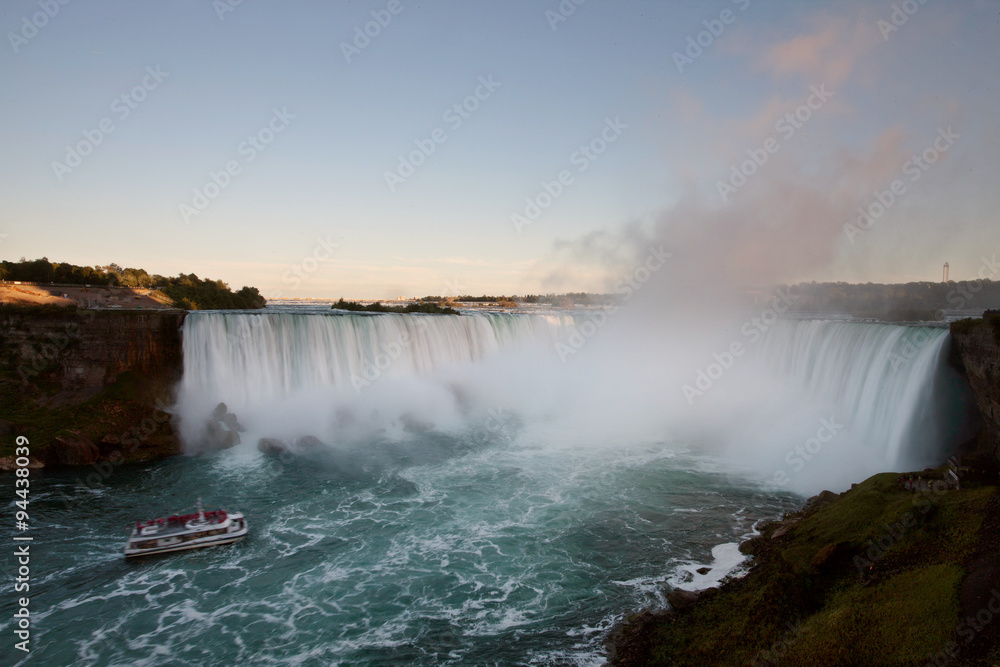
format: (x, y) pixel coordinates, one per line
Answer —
(272, 446)
(630, 642)
(817, 501)
(221, 431)
(680, 599)
(414, 426)
(832, 556)
(230, 420)
(753, 546)
(703, 570)
(309, 443)
(71, 449)
(222, 414)
(403, 487)
(345, 418)
(784, 527)
(219, 436)
(108, 444)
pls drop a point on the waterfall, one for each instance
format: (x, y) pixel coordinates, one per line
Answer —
(884, 394)
(892, 399)
(883, 378)
(321, 363)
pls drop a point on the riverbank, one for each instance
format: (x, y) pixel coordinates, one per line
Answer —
(87, 386)
(883, 574)
(878, 575)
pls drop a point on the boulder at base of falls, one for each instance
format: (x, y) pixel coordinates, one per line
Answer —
(272, 446)
(71, 449)
(222, 414)
(414, 426)
(221, 430)
(309, 443)
(218, 435)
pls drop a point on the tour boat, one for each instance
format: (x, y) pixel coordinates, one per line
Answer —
(185, 531)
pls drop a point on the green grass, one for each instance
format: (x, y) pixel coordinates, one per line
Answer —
(895, 613)
(898, 622)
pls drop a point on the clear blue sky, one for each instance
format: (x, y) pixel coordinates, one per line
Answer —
(447, 228)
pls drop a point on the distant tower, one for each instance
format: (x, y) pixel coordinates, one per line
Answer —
(945, 274)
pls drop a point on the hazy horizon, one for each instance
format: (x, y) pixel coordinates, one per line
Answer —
(516, 148)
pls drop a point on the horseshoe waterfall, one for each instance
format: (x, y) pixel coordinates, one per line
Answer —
(486, 488)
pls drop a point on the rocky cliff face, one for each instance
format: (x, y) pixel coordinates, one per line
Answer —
(86, 386)
(976, 349)
(85, 351)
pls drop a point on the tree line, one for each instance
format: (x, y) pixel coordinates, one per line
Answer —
(918, 300)
(567, 300)
(186, 291)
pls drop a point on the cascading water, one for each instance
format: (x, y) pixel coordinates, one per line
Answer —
(290, 374)
(886, 379)
(253, 356)
(481, 498)
(892, 399)
(844, 400)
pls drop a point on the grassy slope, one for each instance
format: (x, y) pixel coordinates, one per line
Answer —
(807, 610)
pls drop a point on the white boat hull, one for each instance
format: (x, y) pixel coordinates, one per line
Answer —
(149, 541)
(194, 544)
